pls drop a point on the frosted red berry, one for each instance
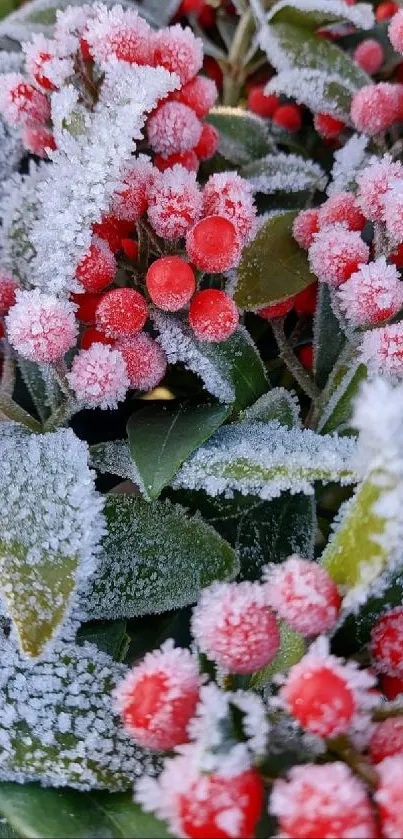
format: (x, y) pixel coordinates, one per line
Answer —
(277, 310)
(322, 801)
(213, 244)
(288, 117)
(373, 186)
(391, 686)
(387, 739)
(40, 326)
(122, 34)
(178, 51)
(8, 288)
(213, 70)
(98, 377)
(303, 594)
(113, 230)
(21, 103)
(260, 103)
(388, 797)
(130, 201)
(305, 301)
(233, 625)
(38, 140)
(87, 306)
(97, 268)
(208, 143)
(374, 108)
(207, 806)
(328, 126)
(187, 159)
(395, 31)
(305, 227)
(342, 207)
(146, 361)
(305, 355)
(173, 128)
(336, 253)
(385, 11)
(369, 55)
(170, 283)
(387, 643)
(227, 194)
(93, 336)
(159, 696)
(175, 202)
(213, 315)
(372, 295)
(122, 311)
(199, 94)
(382, 351)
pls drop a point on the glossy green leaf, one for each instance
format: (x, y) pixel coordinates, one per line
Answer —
(278, 404)
(161, 440)
(243, 135)
(292, 648)
(155, 558)
(273, 267)
(39, 813)
(329, 339)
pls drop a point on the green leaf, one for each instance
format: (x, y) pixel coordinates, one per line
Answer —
(329, 339)
(316, 89)
(154, 558)
(161, 440)
(315, 18)
(278, 404)
(109, 637)
(284, 172)
(6, 6)
(11, 412)
(273, 267)
(338, 408)
(243, 135)
(292, 648)
(51, 524)
(40, 813)
(232, 370)
(42, 387)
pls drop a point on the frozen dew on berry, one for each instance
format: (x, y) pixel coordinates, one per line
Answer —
(8, 288)
(382, 350)
(21, 103)
(302, 593)
(395, 31)
(208, 143)
(336, 253)
(122, 311)
(200, 94)
(372, 294)
(158, 697)
(39, 58)
(374, 108)
(213, 244)
(342, 207)
(118, 32)
(388, 797)
(178, 51)
(233, 625)
(173, 128)
(317, 801)
(145, 360)
(38, 140)
(305, 227)
(387, 643)
(228, 195)
(369, 55)
(170, 283)
(387, 739)
(98, 377)
(97, 268)
(213, 315)
(41, 327)
(130, 201)
(373, 184)
(328, 126)
(175, 202)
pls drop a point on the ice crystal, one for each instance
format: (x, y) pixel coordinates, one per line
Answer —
(57, 724)
(348, 162)
(284, 173)
(18, 212)
(265, 460)
(319, 91)
(114, 458)
(11, 152)
(85, 169)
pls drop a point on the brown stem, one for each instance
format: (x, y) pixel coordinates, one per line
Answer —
(384, 712)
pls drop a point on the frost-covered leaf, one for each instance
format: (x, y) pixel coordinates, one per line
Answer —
(243, 136)
(108, 636)
(328, 338)
(114, 458)
(278, 404)
(232, 371)
(337, 406)
(348, 162)
(161, 440)
(11, 152)
(313, 14)
(41, 385)
(292, 648)
(18, 213)
(51, 527)
(57, 724)
(273, 267)
(10, 411)
(266, 460)
(154, 558)
(284, 173)
(319, 91)
(67, 814)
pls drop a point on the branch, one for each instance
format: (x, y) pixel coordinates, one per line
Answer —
(291, 361)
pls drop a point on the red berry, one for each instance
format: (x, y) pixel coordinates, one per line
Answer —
(260, 103)
(387, 739)
(391, 686)
(205, 809)
(85, 50)
(341, 208)
(374, 108)
(336, 254)
(113, 230)
(213, 315)
(190, 7)
(305, 301)
(188, 160)
(303, 594)
(213, 70)
(159, 696)
(233, 625)
(199, 94)
(319, 696)
(305, 355)
(213, 244)
(208, 143)
(369, 55)
(41, 79)
(388, 797)
(385, 11)
(87, 306)
(130, 248)
(305, 227)
(171, 283)
(207, 17)
(327, 126)
(130, 201)
(93, 336)
(277, 310)
(38, 140)
(288, 117)
(122, 311)
(98, 268)
(175, 203)
(146, 362)
(387, 643)
(8, 287)
(21, 103)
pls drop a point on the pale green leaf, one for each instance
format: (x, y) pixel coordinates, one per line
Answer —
(243, 135)
(278, 404)
(284, 173)
(292, 648)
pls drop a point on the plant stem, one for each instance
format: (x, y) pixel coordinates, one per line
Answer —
(235, 76)
(291, 361)
(384, 712)
(343, 748)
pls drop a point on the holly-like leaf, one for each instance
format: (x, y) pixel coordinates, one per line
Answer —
(278, 404)
(161, 440)
(273, 267)
(243, 135)
(154, 558)
(284, 173)
(51, 526)
(291, 650)
(36, 811)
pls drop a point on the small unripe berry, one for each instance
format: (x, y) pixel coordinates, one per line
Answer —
(277, 310)
(146, 361)
(336, 253)
(303, 594)
(159, 696)
(387, 642)
(213, 244)
(288, 117)
(388, 797)
(261, 104)
(305, 227)
(93, 336)
(327, 126)
(213, 315)
(98, 377)
(97, 268)
(339, 208)
(122, 311)
(208, 143)
(374, 108)
(387, 739)
(171, 283)
(305, 301)
(234, 627)
(386, 10)
(40, 326)
(369, 55)
(8, 288)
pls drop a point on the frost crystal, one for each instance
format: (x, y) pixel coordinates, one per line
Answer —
(18, 212)
(266, 460)
(361, 14)
(11, 152)
(348, 162)
(312, 88)
(284, 173)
